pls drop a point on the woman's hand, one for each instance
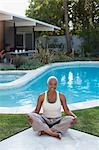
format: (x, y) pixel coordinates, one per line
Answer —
(30, 121)
(65, 107)
(75, 120)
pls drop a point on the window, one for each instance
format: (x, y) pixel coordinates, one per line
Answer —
(28, 41)
(19, 40)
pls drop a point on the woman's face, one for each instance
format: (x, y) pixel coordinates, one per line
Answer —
(52, 84)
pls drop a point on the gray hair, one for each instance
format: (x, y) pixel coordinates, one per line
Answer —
(52, 77)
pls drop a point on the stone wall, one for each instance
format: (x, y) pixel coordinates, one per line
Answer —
(58, 42)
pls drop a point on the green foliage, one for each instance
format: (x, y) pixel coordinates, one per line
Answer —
(85, 14)
(46, 10)
(91, 40)
(45, 55)
(85, 22)
(31, 64)
(61, 56)
(19, 60)
(50, 11)
(82, 13)
(7, 67)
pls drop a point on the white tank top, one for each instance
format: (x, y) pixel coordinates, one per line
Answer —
(52, 110)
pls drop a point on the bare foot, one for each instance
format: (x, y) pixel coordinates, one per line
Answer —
(41, 133)
(59, 136)
(56, 135)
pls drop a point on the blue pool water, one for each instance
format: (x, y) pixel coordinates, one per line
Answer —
(4, 78)
(78, 85)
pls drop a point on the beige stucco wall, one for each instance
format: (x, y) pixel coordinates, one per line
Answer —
(9, 34)
(2, 24)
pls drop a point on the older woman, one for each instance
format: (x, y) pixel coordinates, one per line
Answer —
(51, 122)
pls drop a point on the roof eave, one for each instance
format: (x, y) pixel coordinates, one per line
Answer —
(32, 22)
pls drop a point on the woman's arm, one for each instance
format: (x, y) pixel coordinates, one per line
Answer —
(65, 107)
(39, 103)
(37, 109)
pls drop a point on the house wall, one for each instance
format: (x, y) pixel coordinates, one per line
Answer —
(26, 30)
(9, 35)
(2, 24)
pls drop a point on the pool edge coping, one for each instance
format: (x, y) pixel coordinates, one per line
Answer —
(74, 106)
(31, 74)
(28, 109)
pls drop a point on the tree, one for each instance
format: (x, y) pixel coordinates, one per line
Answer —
(85, 18)
(50, 11)
(54, 12)
(67, 35)
(84, 15)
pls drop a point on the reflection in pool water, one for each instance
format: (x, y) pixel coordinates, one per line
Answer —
(4, 78)
(78, 85)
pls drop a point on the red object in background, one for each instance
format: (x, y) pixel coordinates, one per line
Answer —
(2, 53)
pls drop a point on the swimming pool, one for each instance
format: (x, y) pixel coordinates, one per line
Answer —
(5, 78)
(79, 84)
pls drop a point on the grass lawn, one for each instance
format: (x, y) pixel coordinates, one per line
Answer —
(11, 124)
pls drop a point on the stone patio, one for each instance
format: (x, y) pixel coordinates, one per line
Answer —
(29, 140)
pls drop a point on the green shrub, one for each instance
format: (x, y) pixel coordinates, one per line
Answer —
(90, 40)
(49, 56)
(31, 64)
(45, 55)
(19, 60)
(61, 56)
(7, 67)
